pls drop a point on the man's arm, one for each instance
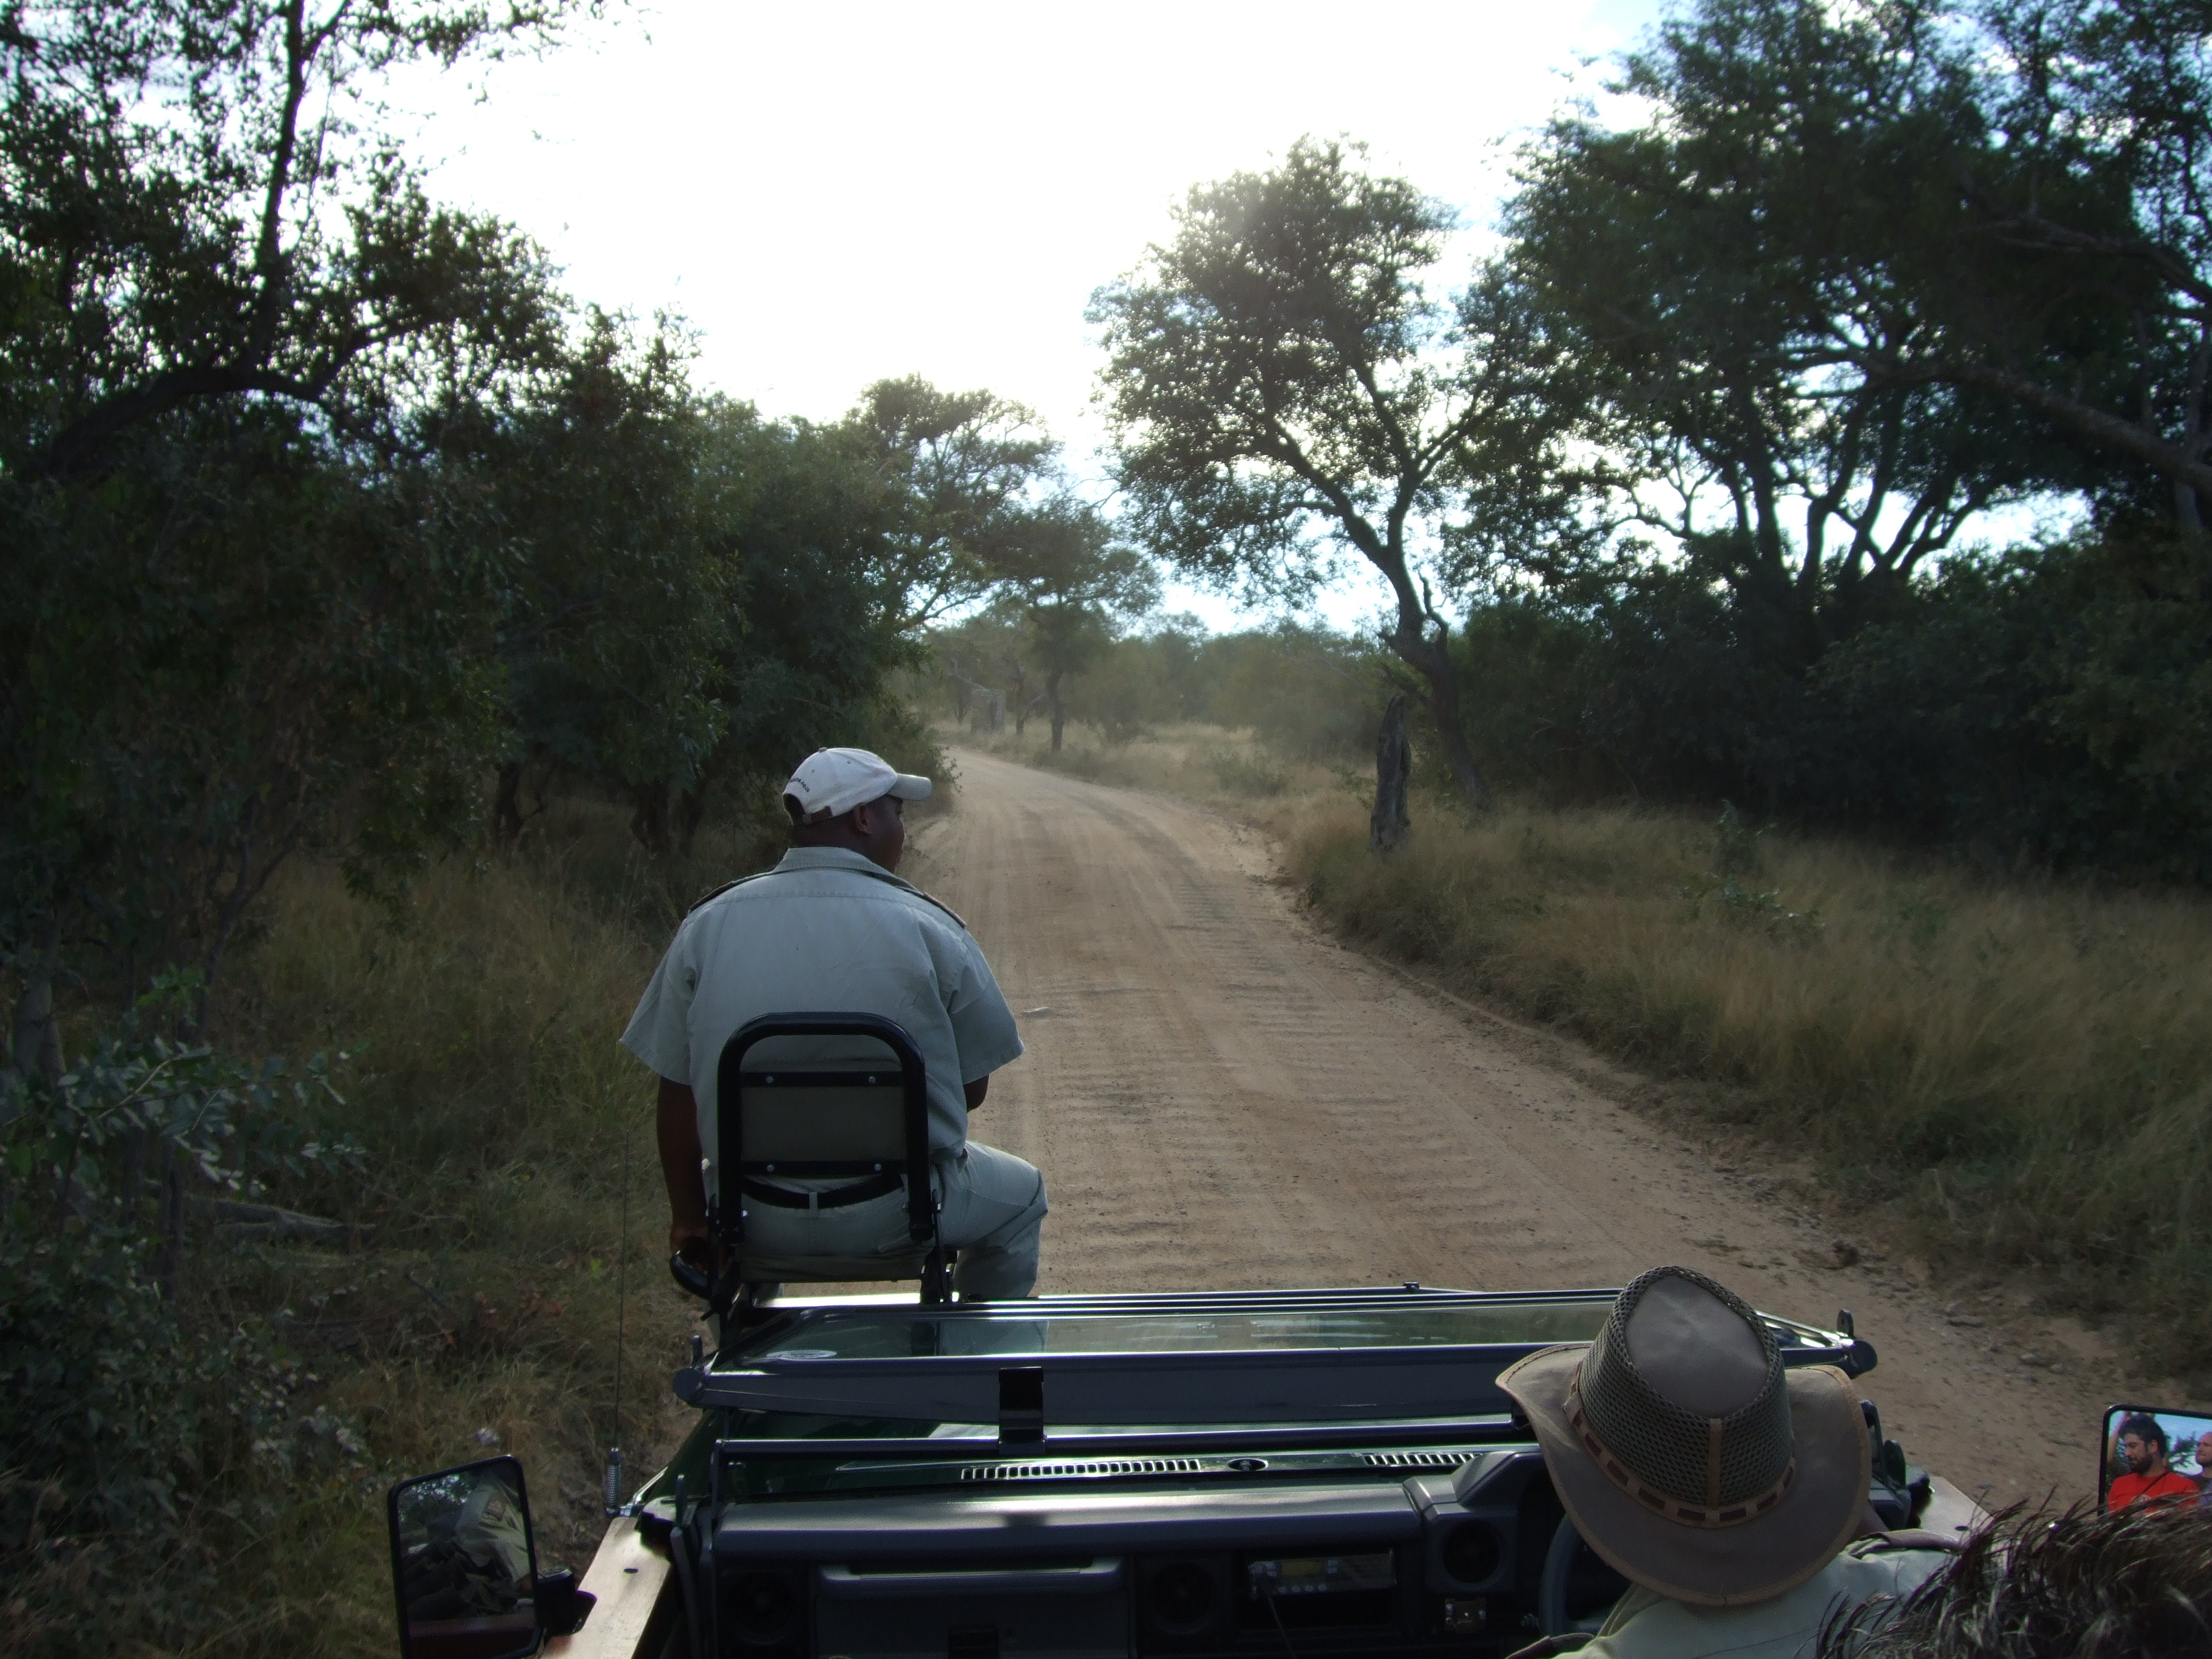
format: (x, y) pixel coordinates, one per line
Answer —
(680, 1154)
(975, 1091)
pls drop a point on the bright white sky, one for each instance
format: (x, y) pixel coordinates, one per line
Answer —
(833, 194)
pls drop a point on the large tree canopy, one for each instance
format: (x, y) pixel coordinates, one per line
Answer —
(2073, 274)
(1281, 384)
(960, 463)
(205, 203)
(1904, 259)
(1723, 278)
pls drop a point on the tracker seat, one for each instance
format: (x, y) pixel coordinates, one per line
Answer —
(861, 1120)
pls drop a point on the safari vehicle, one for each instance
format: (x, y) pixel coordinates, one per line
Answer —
(1328, 1472)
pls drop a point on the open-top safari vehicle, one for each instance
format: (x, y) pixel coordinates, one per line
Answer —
(1328, 1471)
(1188, 1473)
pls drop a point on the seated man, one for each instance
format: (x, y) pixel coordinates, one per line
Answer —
(832, 930)
(1729, 1490)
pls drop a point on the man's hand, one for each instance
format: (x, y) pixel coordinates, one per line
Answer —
(689, 1240)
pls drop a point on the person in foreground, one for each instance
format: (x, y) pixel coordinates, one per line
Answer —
(1730, 1490)
(831, 929)
(2129, 1583)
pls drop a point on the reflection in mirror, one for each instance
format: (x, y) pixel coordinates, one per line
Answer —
(465, 1564)
(2153, 1453)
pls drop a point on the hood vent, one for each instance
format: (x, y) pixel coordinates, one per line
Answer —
(1096, 1468)
(1417, 1459)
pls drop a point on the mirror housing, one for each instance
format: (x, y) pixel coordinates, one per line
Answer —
(561, 1606)
(464, 1567)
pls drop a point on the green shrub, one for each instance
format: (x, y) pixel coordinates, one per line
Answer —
(119, 1420)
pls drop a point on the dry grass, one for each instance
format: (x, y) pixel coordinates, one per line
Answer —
(2016, 1073)
(503, 1126)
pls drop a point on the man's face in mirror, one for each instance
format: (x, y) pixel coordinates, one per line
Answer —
(2139, 1452)
(2204, 1454)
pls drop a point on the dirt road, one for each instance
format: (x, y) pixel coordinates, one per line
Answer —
(1220, 1096)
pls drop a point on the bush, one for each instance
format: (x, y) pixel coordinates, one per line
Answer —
(118, 1420)
(2051, 708)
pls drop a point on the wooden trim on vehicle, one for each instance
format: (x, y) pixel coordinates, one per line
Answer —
(636, 1606)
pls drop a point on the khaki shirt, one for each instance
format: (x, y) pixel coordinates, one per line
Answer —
(827, 931)
(1645, 1625)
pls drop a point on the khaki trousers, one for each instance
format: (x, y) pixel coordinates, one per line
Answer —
(993, 1212)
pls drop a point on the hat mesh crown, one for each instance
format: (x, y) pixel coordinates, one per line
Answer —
(1670, 1448)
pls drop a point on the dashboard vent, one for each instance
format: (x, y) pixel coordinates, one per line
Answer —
(1417, 1459)
(1094, 1468)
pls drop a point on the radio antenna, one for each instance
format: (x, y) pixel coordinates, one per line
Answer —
(614, 1480)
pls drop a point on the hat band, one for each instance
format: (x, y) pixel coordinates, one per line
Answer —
(1659, 1502)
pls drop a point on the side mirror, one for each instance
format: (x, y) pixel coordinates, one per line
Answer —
(464, 1567)
(2148, 1454)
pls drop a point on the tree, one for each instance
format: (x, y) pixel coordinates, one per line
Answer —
(1714, 276)
(2009, 204)
(614, 604)
(807, 529)
(958, 462)
(244, 590)
(1063, 574)
(204, 205)
(2076, 278)
(1279, 380)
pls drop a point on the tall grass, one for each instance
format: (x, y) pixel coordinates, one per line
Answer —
(2020, 1071)
(507, 1135)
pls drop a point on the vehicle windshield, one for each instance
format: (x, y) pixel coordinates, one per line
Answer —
(1138, 1387)
(868, 1333)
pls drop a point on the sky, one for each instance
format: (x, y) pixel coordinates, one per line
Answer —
(833, 195)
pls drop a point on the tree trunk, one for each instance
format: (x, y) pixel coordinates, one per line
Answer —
(169, 1255)
(1393, 766)
(36, 1041)
(1431, 659)
(506, 805)
(1059, 708)
(649, 821)
(691, 812)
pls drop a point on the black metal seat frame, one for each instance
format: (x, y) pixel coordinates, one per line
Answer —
(724, 1289)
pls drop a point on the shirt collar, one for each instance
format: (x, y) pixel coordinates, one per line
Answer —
(839, 858)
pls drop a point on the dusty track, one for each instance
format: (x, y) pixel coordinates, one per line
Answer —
(1220, 1097)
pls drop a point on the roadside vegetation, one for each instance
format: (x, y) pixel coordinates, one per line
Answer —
(2016, 1073)
(460, 1297)
(2009, 1070)
(391, 643)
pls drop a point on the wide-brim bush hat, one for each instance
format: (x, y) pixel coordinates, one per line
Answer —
(1687, 1455)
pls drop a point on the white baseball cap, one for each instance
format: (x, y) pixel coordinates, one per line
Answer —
(833, 781)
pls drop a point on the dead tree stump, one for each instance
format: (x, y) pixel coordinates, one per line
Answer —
(1393, 766)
